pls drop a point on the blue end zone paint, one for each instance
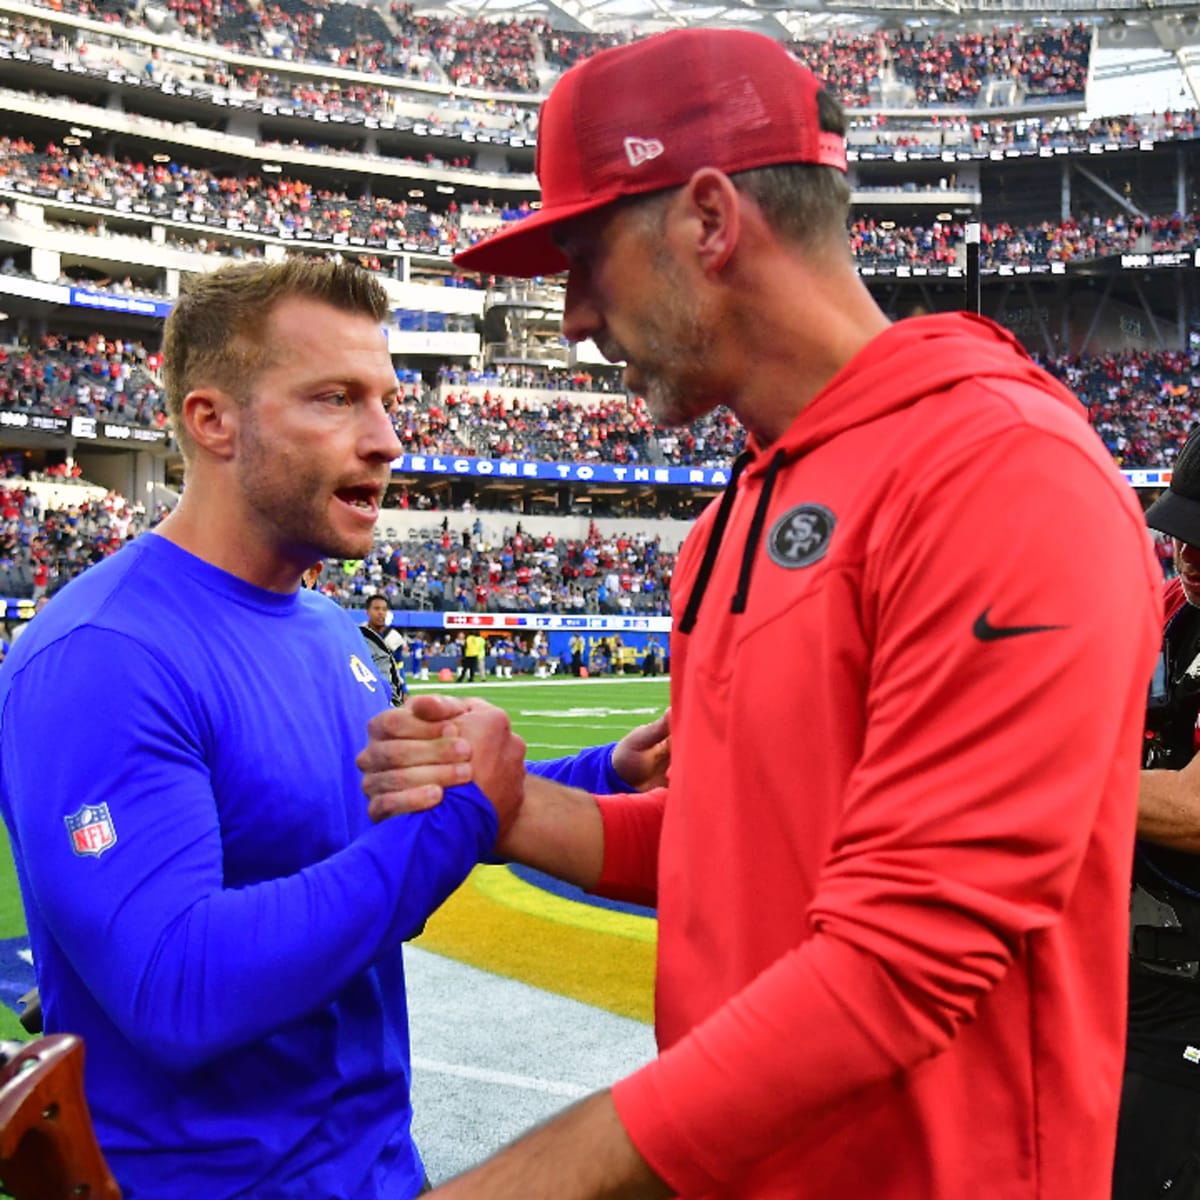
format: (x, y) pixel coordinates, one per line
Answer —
(16, 973)
(568, 891)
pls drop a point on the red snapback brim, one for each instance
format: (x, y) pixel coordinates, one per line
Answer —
(525, 247)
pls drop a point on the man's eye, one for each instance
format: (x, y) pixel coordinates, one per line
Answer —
(337, 399)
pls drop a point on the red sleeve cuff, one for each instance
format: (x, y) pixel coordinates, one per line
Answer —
(632, 825)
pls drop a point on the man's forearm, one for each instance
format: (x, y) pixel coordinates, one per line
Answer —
(557, 830)
(1169, 808)
(583, 1154)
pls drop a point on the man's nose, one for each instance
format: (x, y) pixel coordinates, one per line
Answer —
(379, 438)
(581, 319)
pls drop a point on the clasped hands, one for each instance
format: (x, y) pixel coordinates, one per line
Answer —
(434, 742)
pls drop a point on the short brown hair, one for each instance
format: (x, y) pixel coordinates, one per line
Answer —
(801, 202)
(215, 334)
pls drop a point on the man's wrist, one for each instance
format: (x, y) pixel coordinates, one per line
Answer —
(616, 781)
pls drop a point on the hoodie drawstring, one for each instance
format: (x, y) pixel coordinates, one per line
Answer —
(754, 536)
(688, 620)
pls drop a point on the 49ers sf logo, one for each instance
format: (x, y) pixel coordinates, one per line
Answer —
(801, 536)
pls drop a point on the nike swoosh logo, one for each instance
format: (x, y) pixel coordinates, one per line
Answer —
(985, 631)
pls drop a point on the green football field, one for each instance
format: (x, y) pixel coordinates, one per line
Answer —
(555, 717)
(560, 716)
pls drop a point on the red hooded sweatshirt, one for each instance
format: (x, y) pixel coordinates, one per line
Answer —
(892, 865)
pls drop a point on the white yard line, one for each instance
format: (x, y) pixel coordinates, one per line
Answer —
(529, 1083)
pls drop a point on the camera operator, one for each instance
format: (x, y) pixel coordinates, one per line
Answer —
(1158, 1139)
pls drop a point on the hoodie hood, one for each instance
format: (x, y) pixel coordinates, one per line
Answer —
(910, 361)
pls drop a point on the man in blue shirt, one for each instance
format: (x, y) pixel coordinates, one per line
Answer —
(208, 904)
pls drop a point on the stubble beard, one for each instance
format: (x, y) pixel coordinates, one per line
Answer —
(292, 499)
(677, 351)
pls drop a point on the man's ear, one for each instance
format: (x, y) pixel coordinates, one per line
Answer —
(714, 206)
(211, 417)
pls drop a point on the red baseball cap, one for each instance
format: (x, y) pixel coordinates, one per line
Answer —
(644, 117)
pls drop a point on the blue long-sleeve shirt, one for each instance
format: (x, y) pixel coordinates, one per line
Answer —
(592, 770)
(208, 904)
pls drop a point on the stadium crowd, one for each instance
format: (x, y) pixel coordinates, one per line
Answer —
(519, 56)
(271, 91)
(883, 243)
(277, 206)
(978, 134)
(947, 70)
(43, 546)
(269, 205)
(436, 570)
(615, 431)
(1140, 402)
(952, 70)
(94, 377)
(455, 114)
(508, 375)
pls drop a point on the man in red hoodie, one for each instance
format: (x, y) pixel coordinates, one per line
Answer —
(892, 863)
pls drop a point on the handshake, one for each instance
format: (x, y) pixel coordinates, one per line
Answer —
(434, 742)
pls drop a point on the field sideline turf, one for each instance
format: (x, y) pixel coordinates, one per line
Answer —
(504, 926)
(561, 715)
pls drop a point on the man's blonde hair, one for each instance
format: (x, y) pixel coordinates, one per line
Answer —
(216, 333)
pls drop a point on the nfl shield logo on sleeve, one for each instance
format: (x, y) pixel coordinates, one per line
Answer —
(91, 830)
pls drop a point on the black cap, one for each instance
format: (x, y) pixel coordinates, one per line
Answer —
(1177, 511)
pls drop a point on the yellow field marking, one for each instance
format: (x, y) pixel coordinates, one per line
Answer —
(501, 885)
(494, 924)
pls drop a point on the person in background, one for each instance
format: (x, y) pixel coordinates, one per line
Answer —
(651, 664)
(473, 654)
(386, 646)
(419, 657)
(502, 652)
(1158, 1136)
(543, 668)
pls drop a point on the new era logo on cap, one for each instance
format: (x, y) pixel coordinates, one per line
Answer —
(640, 150)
